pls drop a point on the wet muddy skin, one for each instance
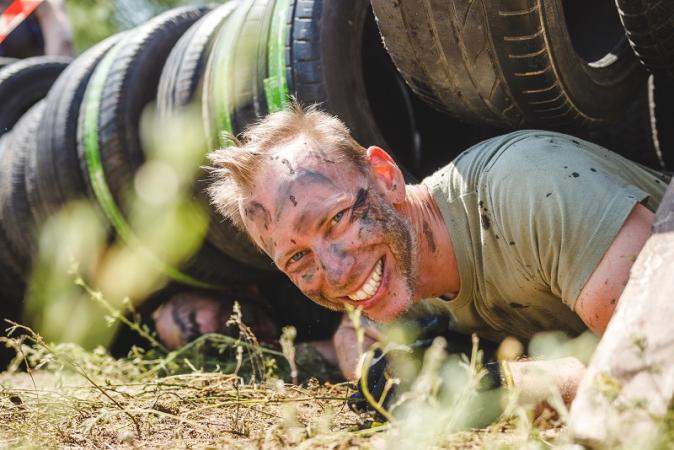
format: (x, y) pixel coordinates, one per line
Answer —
(300, 177)
(255, 211)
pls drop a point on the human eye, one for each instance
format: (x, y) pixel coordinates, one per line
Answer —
(297, 256)
(337, 218)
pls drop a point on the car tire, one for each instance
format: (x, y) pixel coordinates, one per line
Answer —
(650, 28)
(24, 83)
(180, 87)
(122, 85)
(16, 219)
(550, 64)
(53, 172)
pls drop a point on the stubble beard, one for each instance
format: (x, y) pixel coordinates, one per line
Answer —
(401, 241)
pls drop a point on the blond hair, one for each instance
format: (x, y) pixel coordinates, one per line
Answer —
(234, 168)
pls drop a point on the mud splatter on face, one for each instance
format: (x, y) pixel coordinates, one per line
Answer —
(286, 163)
(429, 237)
(337, 250)
(301, 177)
(376, 217)
(361, 197)
(308, 277)
(255, 211)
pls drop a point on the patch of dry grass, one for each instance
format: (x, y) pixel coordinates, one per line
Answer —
(69, 397)
(61, 409)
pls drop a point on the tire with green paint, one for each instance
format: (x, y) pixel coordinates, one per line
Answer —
(250, 51)
(24, 83)
(122, 85)
(334, 57)
(233, 87)
(180, 87)
(181, 79)
(53, 173)
(513, 63)
(128, 78)
(217, 97)
(16, 219)
(650, 28)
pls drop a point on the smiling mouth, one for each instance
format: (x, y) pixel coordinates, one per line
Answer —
(371, 285)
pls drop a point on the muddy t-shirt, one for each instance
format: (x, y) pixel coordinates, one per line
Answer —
(530, 215)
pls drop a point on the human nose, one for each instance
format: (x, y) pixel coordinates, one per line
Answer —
(336, 264)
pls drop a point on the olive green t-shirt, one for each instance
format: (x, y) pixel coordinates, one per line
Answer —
(530, 215)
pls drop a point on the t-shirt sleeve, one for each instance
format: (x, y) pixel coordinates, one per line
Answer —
(561, 205)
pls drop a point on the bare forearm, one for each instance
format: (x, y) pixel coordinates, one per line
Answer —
(348, 349)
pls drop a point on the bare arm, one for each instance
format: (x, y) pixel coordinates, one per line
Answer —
(346, 347)
(595, 306)
(599, 296)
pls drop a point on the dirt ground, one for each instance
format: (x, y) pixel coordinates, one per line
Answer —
(55, 409)
(71, 398)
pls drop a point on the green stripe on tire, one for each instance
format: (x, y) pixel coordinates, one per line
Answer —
(222, 99)
(276, 85)
(96, 174)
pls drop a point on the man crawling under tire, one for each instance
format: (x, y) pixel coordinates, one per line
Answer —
(522, 233)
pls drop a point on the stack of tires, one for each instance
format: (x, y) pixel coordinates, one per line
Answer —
(448, 74)
(554, 64)
(236, 62)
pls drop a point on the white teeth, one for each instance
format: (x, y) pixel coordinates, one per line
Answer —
(371, 285)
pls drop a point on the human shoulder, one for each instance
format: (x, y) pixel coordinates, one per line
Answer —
(463, 174)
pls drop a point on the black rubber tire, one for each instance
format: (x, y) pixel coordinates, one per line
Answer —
(25, 82)
(661, 98)
(8, 258)
(631, 136)
(514, 63)
(650, 28)
(322, 51)
(325, 51)
(180, 86)
(129, 77)
(53, 174)
(250, 51)
(16, 218)
(11, 286)
(129, 84)
(234, 88)
(182, 76)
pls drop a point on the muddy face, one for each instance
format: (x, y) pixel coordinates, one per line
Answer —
(330, 228)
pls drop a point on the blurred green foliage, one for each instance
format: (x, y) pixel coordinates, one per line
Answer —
(94, 20)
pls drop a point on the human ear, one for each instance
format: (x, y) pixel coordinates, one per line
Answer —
(387, 174)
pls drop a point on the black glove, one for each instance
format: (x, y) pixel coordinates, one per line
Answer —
(379, 370)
